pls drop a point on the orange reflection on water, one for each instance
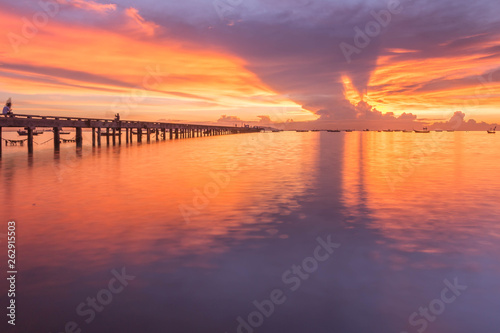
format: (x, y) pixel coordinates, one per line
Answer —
(420, 189)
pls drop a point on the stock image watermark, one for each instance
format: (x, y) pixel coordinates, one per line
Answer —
(126, 102)
(405, 168)
(363, 36)
(89, 308)
(428, 314)
(11, 272)
(226, 8)
(220, 180)
(292, 280)
(31, 26)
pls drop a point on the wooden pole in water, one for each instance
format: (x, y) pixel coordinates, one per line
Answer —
(30, 140)
(93, 136)
(1, 143)
(171, 133)
(148, 134)
(164, 134)
(99, 136)
(79, 137)
(176, 133)
(119, 135)
(57, 138)
(114, 136)
(157, 134)
(126, 135)
(107, 136)
(139, 134)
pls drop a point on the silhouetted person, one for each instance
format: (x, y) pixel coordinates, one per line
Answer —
(7, 109)
(117, 117)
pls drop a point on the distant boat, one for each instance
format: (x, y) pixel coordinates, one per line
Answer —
(315, 130)
(275, 130)
(302, 131)
(388, 130)
(366, 130)
(62, 132)
(492, 131)
(407, 131)
(425, 130)
(438, 130)
(335, 131)
(25, 132)
(348, 130)
(450, 131)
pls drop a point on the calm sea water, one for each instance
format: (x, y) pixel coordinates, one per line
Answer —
(206, 233)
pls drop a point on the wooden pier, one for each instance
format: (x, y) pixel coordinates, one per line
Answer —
(113, 129)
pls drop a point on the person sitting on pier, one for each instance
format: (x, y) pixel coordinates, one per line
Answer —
(117, 117)
(7, 109)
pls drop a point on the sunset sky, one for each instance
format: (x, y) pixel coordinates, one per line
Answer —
(254, 60)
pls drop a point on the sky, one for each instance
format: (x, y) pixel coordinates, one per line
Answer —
(317, 63)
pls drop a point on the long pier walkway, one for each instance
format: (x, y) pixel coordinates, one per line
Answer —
(112, 129)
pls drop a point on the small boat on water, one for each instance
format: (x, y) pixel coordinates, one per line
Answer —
(450, 131)
(25, 132)
(407, 131)
(492, 131)
(301, 131)
(438, 130)
(388, 130)
(61, 131)
(348, 130)
(335, 131)
(425, 130)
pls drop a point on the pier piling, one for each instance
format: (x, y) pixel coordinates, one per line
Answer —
(57, 138)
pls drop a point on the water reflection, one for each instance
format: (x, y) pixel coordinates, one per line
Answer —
(256, 205)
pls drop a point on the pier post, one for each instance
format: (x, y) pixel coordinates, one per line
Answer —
(93, 136)
(30, 140)
(164, 134)
(79, 137)
(99, 136)
(57, 139)
(157, 134)
(131, 136)
(176, 133)
(126, 135)
(148, 134)
(119, 135)
(1, 143)
(114, 136)
(171, 133)
(107, 136)
(139, 134)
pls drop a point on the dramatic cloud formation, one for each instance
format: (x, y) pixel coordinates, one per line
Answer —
(331, 62)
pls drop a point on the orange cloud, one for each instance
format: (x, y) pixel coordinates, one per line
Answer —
(92, 70)
(437, 87)
(89, 5)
